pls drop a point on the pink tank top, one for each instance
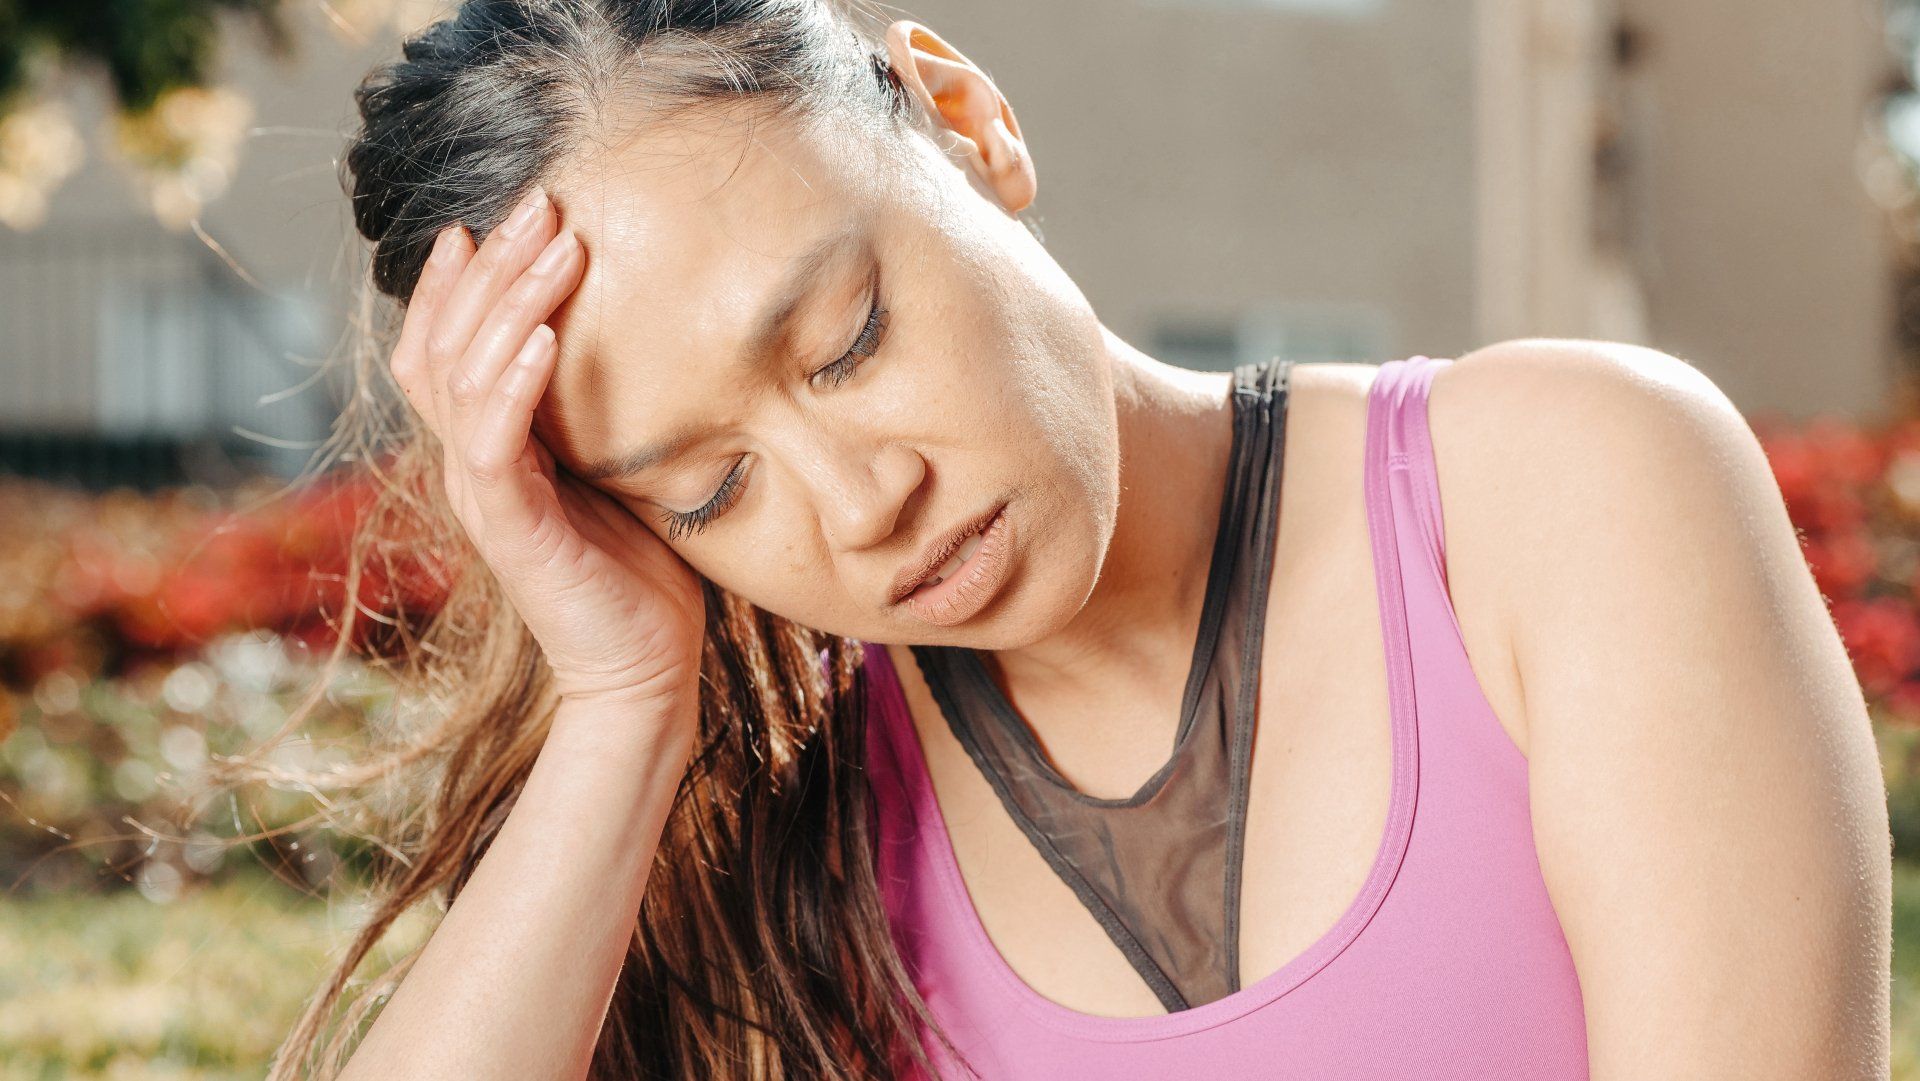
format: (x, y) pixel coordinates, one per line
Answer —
(1449, 964)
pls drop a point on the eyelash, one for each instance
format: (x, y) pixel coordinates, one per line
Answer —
(863, 346)
(686, 523)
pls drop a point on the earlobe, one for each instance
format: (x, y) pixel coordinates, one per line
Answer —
(970, 110)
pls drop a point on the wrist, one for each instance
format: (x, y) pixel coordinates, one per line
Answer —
(657, 726)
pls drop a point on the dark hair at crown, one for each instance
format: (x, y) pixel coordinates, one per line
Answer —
(484, 103)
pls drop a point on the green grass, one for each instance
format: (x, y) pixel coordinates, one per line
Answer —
(1906, 972)
(113, 985)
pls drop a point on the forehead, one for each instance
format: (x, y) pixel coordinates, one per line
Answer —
(687, 230)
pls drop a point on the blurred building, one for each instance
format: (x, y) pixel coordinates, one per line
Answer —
(1366, 178)
(1226, 179)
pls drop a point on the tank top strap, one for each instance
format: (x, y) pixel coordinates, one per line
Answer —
(1410, 562)
(1401, 478)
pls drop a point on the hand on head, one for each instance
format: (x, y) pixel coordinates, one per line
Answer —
(617, 613)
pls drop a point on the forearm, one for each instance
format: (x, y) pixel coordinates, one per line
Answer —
(515, 981)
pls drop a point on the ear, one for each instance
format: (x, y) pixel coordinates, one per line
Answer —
(961, 99)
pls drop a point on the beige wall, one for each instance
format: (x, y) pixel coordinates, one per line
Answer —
(1766, 262)
(1209, 157)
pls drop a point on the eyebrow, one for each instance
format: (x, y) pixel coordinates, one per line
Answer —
(802, 276)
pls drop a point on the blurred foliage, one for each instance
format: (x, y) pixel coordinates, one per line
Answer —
(180, 135)
(144, 635)
(146, 47)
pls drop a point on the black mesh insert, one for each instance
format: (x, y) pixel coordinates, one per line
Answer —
(1159, 869)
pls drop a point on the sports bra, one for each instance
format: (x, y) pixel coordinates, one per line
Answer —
(1449, 963)
(1158, 869)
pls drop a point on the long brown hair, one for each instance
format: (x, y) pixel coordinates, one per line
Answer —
(762, 948)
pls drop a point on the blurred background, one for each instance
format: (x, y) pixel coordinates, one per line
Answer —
(1737, 183)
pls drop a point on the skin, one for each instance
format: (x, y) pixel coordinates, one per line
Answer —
(1706, 799)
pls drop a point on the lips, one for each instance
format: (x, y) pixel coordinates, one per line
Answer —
(940, 556)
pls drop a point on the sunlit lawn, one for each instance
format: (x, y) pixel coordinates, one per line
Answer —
(114, 985)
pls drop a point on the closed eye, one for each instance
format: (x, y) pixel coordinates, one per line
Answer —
(686, 523)
(865, 344)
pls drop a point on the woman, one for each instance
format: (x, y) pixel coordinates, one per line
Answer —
(847, 583)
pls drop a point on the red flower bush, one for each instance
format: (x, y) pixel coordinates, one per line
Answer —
(1853, 493)
(167, 573)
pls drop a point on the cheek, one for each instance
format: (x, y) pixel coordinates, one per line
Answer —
(1070, 421)
(771, 567)
(1074, 465)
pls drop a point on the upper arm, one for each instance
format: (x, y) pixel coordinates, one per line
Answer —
(1707, 803)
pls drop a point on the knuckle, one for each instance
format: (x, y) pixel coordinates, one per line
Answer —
(406, 375)
(492, 255)
(442, 345)
(465, 388)
(485, 471)
(518, 302)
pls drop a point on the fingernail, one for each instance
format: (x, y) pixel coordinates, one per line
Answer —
(523, 216)
(558, 250)
(442, 244)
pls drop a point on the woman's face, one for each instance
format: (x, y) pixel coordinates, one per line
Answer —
(853, 444)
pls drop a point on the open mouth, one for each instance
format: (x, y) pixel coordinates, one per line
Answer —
(952, 565)
(968, 579)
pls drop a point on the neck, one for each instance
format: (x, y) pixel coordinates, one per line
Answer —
(1135, 633)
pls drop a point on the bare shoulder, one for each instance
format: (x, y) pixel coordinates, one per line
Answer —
(1531, 439)
(1568, 397)
(1557, 446)
(1325, 455)
(1545, 445)
(1696, 732)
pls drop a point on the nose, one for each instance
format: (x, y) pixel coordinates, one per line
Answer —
(860, 495)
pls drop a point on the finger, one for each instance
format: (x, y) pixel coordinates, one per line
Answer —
(498, 457)
(493, 268)
(531, 299)
(461, 259)
(452, 248)
(495, 264)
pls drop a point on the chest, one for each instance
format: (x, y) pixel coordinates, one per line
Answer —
(1318, 794)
